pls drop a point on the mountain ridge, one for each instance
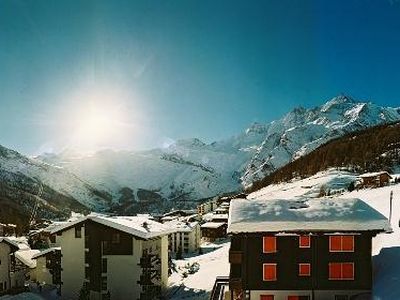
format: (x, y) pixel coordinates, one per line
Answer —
(189, 170)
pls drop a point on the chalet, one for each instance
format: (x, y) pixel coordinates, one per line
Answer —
(376, 179)
(302, 249)
(113, 258)
(186, 236)
(211, 231)
(48, 266)
(7, 263)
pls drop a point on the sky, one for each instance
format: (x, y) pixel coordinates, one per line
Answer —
(89, 75)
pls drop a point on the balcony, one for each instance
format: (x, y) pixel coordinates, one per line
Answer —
(235, 257)
(235, 283)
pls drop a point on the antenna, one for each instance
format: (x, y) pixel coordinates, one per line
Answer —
(391, 207)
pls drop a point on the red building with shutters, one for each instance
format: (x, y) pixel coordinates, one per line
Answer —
(302, 249)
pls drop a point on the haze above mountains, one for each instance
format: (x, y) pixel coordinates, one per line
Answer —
(186, 171)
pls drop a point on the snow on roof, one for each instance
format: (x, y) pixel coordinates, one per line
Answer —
(26, 257)
(9, 241)
(326, 214)
(374, 174)
(212, 225)
(219, 216)
(134, 225)
(180, 226)
(44, 252)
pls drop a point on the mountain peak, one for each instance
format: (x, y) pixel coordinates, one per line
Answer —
(338, 101)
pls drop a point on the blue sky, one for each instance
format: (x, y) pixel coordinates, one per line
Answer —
(165, 70)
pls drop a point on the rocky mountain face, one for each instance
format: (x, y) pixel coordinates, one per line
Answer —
(188, 170)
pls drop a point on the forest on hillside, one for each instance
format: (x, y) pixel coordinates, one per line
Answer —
(373, 149)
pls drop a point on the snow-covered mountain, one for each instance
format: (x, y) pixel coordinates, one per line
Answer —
(303, 130)
(189, 170)
(26, 183)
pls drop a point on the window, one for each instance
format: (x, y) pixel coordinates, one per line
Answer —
(267, 297)
(115, 238)
(103, 283)
(78, 232)
(1, 286)
(104, 265)
(304, 241)
(0, 261)
(341, 243)
(269, 272)
(87, 271)
(298, 297)
(269, 244)
(304, 269)
(341, 271)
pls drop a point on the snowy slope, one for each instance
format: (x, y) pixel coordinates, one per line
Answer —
(189, 170)
(29, 179)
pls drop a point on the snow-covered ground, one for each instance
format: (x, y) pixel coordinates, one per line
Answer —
(213, 263)
(386, 247)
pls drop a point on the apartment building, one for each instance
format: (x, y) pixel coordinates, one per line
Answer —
(186, 236)
(301, 250)
(113, 257)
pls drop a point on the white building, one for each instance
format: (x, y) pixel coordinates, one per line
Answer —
(206, 207)
(186, 236)
(48, 266)
(7, 262)
(113, 257)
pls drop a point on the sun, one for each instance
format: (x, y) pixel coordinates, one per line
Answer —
(98, 123)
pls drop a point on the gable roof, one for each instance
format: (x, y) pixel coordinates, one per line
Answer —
(137, 226)
(26, 257)
(44, 252)
(374, 174)
(326, 214)
(13, 245)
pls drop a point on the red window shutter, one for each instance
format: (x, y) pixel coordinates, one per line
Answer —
(304, 241)
(269, 272)
(348, 243)
(335, 243)
(269, 244)
(293, 297)
(335, 271)
(348, 271)
(267, 297)
(304, 269)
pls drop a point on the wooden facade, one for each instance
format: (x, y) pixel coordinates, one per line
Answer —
(214, 232)
(376, 179)
(248, 257)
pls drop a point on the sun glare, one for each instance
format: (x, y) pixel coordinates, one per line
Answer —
(99, 121)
